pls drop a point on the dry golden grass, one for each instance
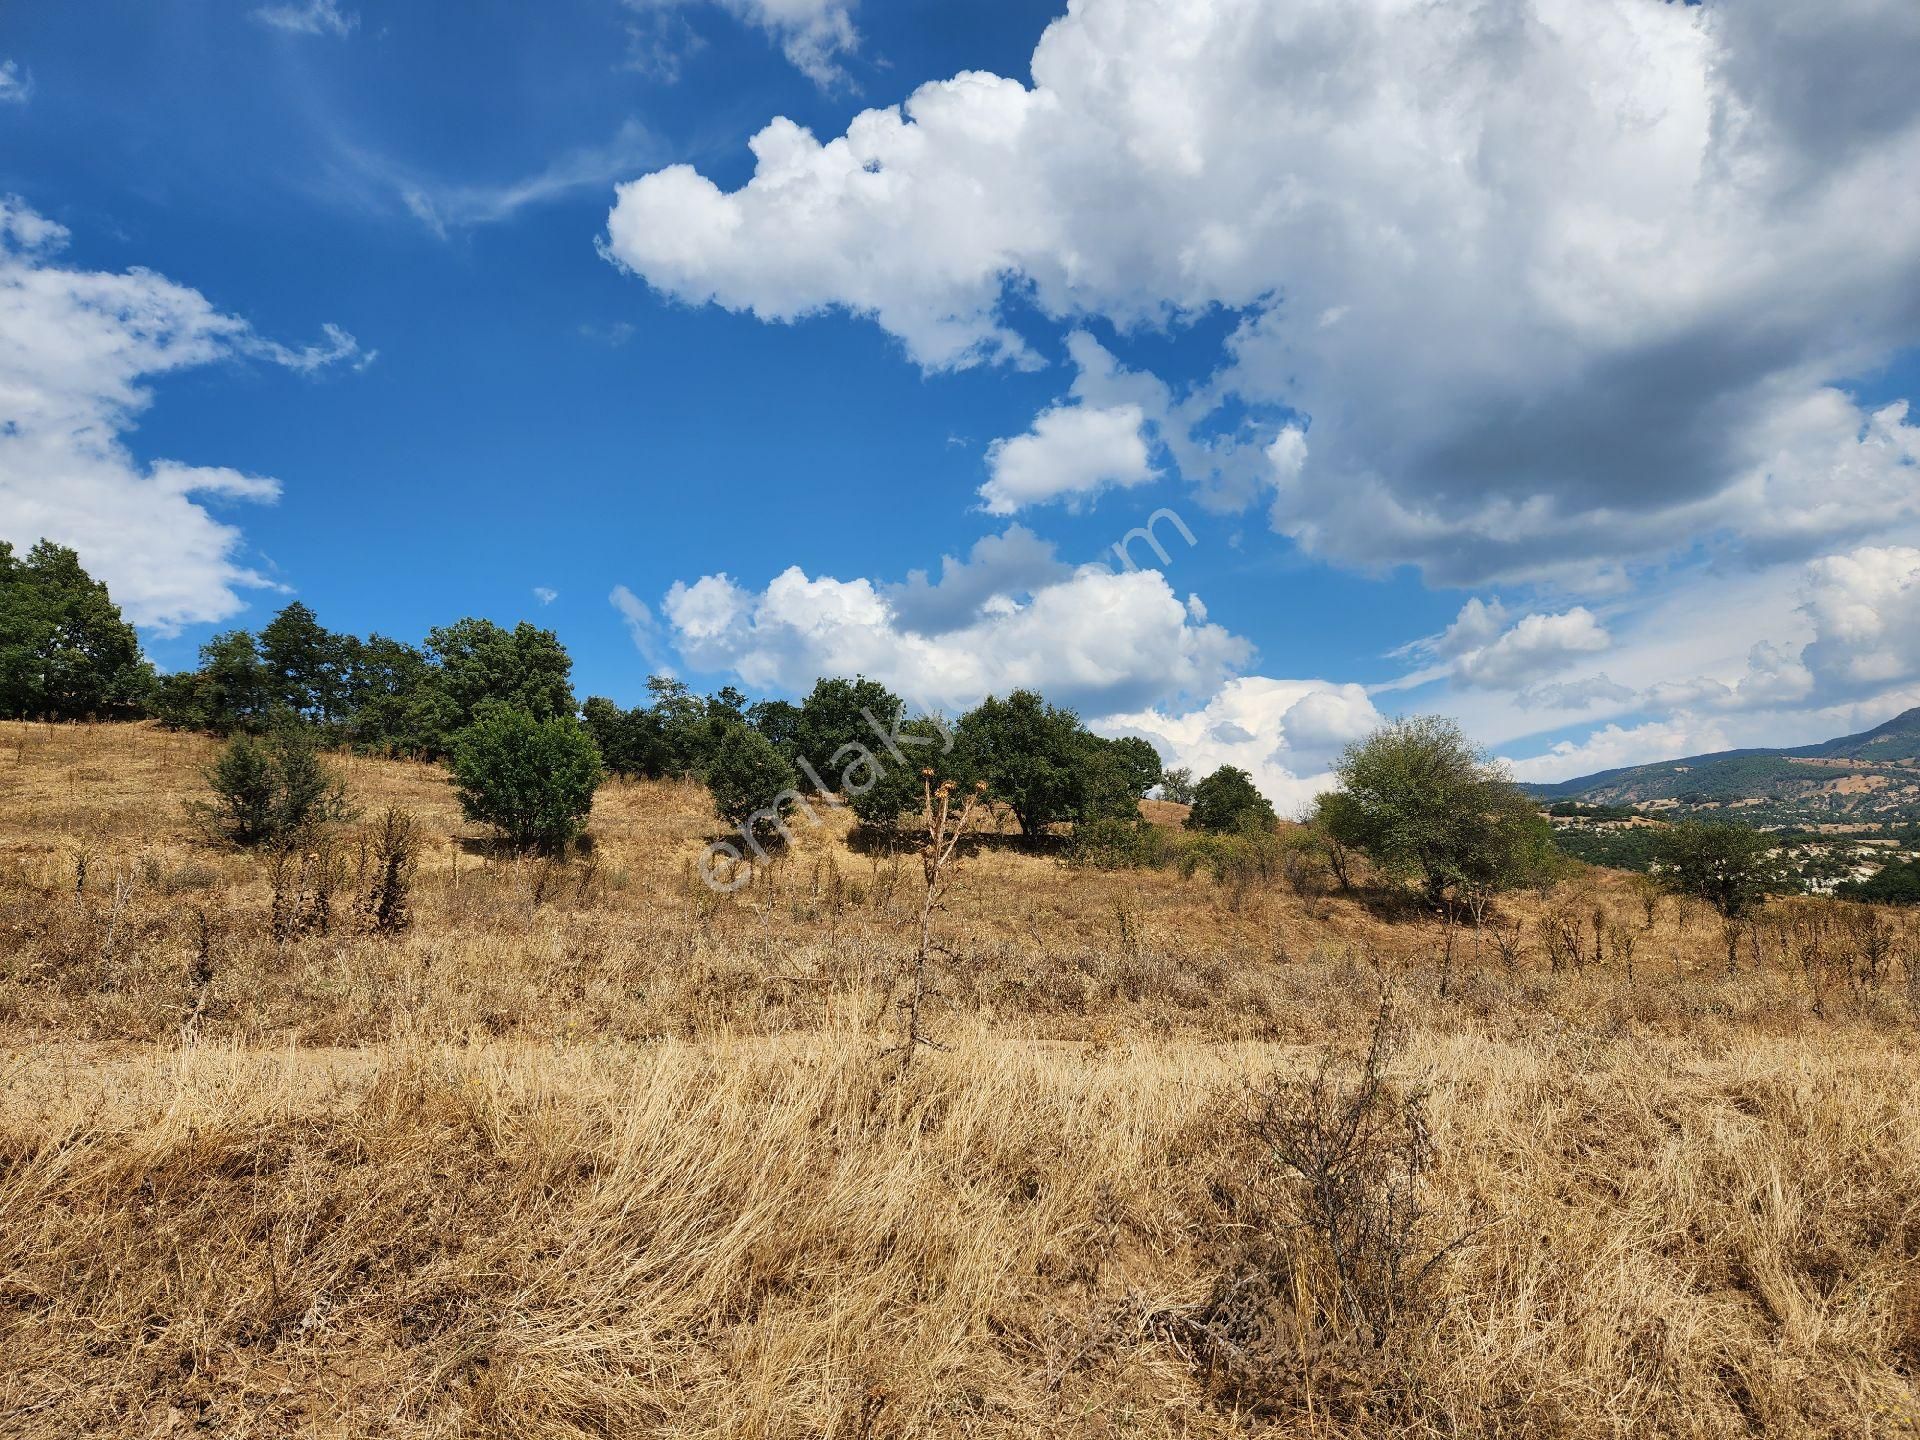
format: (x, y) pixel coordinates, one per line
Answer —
(591, 1152)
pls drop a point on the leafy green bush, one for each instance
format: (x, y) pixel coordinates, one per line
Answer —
(881, 789)
(531, 780)
(1253, 851)
(752, 783)
(1225, 800)
(272, 790)
(1114, 844)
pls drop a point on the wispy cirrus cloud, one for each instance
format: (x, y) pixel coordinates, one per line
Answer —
(312, 17)
(816, 36)
(16, 85)
(447, 207)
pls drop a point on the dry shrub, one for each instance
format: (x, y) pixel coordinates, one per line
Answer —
(389, 857)
(1337, 1269)
(1563, 933)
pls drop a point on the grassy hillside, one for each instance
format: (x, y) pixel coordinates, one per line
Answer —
(590, 1151)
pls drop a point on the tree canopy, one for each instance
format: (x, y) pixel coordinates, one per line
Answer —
(839, 722)
(1046, 766)
(1731, 867)
(65, 651)
(1423, 803)
(1228, 800)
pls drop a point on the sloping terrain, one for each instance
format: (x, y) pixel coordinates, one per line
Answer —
(589, 1151)
(1867, 782)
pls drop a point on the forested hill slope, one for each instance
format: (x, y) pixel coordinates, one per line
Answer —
(1872, 778)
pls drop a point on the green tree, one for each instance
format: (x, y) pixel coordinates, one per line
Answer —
(680, 720)
(1334, 821)
(1731, 867)
(302, 661)
(1227, 800)
(1031, 754)
(477, 663)
(881, 786)
(629, 740)
(1422, 802)
(779, 721)
(272, 790)
(233, 689)
(65, 651)
(752, 783)
(532, 779)
(386, 681)
(1176, 785)
(838, 720)
(177, 703)
(1114, 776)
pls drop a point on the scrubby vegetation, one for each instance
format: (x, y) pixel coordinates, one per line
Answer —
(532, 780)
(1895, 884)
(575, 1145)
(271, 791)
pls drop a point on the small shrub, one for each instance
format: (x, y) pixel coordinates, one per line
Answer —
(532, 780)
(1335, 1274)
(1114, 844)
(388, 858)
(1238, 859)
(1352, 1156)
(751, 781)
(271, 791)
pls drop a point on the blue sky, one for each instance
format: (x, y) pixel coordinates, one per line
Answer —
(1538, 363)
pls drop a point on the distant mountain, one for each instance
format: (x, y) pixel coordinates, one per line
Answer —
(1898, 739)
(1858, 782)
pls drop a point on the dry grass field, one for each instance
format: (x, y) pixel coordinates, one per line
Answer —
(591, 1151)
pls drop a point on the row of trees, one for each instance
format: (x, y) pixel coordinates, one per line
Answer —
(847, 736)
(853, 738)
(376, 693)
(67, 653)
(1416, 798)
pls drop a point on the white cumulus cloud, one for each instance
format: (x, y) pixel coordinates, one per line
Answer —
(77, 350)
(1094, 638)
(1865, 607)
(1286, 734)
(1559, 283)
(1535, 646)
(1073, 452)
